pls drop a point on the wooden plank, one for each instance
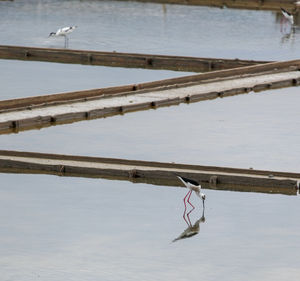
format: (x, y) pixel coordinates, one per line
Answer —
(55, 99)
(158, 173)
(68, 111)
(238, 4)
(115, 59)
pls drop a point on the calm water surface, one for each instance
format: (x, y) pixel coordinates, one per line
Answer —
(40, 78)
(150, 28)
(259, 130)
(55, 228)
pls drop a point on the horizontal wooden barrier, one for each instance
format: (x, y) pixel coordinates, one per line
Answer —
(239, 4)
(23, 103)
(129, 60)
(42, 111)
(158, 173)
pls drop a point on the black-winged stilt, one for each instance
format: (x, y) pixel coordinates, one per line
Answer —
(63, 32)
(288, 16)
(192, 185)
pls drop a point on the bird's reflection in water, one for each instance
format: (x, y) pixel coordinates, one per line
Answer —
(288, 26)
(288, 33)
(192, 229)
(164, 8)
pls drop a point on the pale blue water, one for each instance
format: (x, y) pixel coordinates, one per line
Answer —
(55, 228)
(25, 79)
(149, 28)
(258, 130)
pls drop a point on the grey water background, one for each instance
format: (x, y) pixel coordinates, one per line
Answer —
(57, 228)
(149, 28)
(40, 78)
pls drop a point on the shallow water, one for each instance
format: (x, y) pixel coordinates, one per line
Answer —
(56, 228)
(150, 28)
(25, 79)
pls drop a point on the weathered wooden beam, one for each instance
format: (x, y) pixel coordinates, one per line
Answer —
(115, 59)
(28, 113)
(157, 173)
(238, 4)
(54, 99)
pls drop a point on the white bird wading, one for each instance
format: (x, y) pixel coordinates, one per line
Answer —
(192, 185)
(63, 32)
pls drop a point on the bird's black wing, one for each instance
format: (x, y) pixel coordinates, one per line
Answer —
(285, 11)
(189, 181)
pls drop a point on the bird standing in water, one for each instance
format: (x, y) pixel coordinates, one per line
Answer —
(63, 32)
(192, 185)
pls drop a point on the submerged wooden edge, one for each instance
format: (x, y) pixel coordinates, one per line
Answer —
(118, 59)
(156, 181)
(93, 159)
(237, 4)
(156, 172)
(55, 99)
(38, 122)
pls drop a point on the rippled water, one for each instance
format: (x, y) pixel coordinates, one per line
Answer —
(56, 228)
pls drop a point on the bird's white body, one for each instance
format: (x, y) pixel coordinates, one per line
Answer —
(63, 31)
(288, 16)
(192, 185)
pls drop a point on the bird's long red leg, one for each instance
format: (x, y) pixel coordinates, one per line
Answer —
(188, 222)
(184, 217)
(184, 213)
(188, 216)
(188, 200)
(189, 193)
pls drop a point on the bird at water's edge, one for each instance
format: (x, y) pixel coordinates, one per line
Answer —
(63, 32)
(192, 185)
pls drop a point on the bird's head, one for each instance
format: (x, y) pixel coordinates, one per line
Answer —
(52, 34)
(202, 195)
